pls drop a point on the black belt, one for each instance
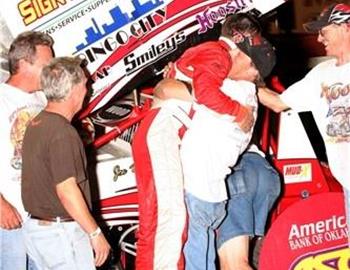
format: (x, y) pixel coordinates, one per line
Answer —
(53, 219)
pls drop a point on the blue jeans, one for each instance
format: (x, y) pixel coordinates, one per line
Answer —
(13, 252)
(58, 245)
(204, 218)
(253, 187)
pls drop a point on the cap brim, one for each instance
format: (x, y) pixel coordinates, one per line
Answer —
(315, 26)
(263, 56)
(264, 61)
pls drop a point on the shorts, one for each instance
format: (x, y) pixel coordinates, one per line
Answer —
(253, 187)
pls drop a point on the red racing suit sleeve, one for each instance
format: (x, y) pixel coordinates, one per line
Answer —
(208, 65)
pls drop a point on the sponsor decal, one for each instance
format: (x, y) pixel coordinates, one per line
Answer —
(33, 10)
(135, 62)
(314, 233)
(311, 234)
(209, 17)
(297, 173)
(101, 73)
(121, 37)
(141, 24)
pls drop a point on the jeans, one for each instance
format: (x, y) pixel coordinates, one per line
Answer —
(13, 252)
(58, 245)
(253, 187)
(204, 218)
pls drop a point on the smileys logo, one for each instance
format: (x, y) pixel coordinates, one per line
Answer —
(32, 10)
(337, 259)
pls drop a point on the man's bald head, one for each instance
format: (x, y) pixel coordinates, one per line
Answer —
(171, 88)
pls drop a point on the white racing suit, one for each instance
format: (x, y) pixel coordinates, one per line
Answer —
(162, 211)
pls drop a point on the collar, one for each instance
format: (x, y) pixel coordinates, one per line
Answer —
(228, 42)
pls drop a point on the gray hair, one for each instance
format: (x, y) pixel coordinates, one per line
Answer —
(60, 76)
(24, 48)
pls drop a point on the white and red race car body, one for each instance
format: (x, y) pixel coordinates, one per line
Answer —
(126, 43)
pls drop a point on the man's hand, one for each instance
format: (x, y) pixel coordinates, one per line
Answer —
(9, 217)
(169, 70)
(73, 201)
(245, 119)
(101, 249)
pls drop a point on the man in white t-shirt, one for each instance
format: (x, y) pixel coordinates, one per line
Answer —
(20, 101)
(325, 91)
(218, 71)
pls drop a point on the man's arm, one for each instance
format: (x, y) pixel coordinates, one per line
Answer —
(208, 65)
(207, 92)
(271, 100)
(207, 80)
(73, 201)
(9, 217)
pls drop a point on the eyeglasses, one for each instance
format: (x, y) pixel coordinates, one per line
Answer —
(322, 32)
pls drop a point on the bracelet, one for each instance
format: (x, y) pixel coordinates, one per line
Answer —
(95, 233)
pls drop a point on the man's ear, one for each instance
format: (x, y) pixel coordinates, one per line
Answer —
(72, 95)
(23, 65)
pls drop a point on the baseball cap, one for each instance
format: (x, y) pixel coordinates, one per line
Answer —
(260, 51)
(335, 13)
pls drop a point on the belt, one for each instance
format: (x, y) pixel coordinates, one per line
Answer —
(52, 219)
